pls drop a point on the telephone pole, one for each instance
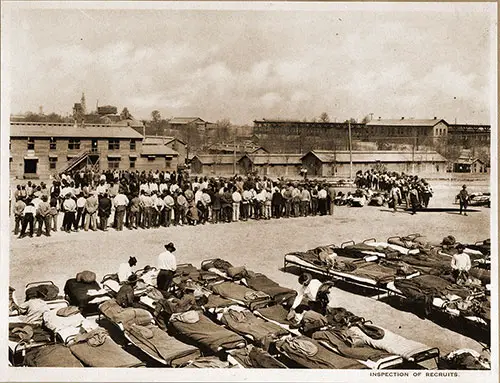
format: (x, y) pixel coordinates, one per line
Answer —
(350, 151)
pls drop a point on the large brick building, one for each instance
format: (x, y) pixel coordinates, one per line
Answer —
(38, 150)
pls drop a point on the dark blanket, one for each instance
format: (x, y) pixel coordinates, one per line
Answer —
(217, 263)
(77, 295)
(276, 313)
(246, 323)
(249, 297)
(254, 357)
(108, 354)
(40, 334)
(278, 294)
(321, 359)
(208, 334)
(158, 343)
(380, 274)
(55, 355)
(338, 339)
(484, 275)
(215, 301)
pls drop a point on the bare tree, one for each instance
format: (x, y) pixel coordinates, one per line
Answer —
(324, 117)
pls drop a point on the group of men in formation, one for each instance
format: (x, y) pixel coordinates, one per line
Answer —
(401, 188)
(133, 199)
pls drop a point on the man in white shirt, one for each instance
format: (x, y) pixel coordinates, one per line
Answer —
(125, 269)
(236, 205)
(167, 264)
(120, 202)
(314, 290)
(460, 265)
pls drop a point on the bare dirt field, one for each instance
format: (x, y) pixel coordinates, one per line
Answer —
(261, 246)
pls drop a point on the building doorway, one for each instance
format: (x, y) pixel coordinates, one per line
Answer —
(30, 166)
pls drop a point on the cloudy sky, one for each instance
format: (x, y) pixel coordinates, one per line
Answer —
(252, 64)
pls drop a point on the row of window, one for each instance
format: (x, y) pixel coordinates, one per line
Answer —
(74, 144)
(114, 163)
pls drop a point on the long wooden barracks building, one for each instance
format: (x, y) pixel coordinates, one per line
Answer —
(38, 150)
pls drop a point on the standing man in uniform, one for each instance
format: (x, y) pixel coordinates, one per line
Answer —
(463, 197)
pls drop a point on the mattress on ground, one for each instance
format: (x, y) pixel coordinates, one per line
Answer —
(108, 354)
(78, 295)
(55, 355)
(208, 334)
(308, 353)
(158, 344)
(340, 341)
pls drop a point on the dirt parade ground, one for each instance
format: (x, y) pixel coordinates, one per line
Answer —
(261, 246)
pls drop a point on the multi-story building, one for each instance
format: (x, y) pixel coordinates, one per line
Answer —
(38, 150)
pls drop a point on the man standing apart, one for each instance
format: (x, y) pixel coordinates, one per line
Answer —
(463, 197)
(331, 199)
(167, 265)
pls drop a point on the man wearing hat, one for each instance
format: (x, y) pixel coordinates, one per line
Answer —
(167, 265)
(463, 197)
(69, 206)
(125, 269)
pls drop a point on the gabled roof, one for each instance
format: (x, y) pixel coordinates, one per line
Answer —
(42, 129)
(407, 122)
(187, 120)
(274, 159)
(158, 150)
(133, 123)
(160, 140)
(209, 159)
(342, 156)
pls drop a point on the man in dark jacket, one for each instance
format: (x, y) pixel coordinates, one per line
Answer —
(227, 205)
(277, 203)
(104, 211)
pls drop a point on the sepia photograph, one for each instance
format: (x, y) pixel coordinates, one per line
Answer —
(227, 187)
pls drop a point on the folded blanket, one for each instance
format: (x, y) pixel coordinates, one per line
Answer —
(55, 355)
(254, 357)
(112, 310)
(107, 354)
(208, 334)
(246, 323)
(158, 343)
(309, 353)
